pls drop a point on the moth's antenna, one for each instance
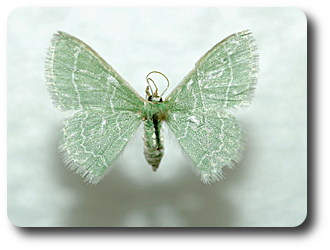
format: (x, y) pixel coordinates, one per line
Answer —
(149, 79)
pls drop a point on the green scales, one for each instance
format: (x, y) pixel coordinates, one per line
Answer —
(108, 110)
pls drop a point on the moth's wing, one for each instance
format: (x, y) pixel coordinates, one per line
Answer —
(108, 108)
(92, 140)
(212, 140)
(79, 79)
(225, 77)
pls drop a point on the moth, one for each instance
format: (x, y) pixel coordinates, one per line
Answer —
(107, 110)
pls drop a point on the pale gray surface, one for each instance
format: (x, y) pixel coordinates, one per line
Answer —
(267, 188)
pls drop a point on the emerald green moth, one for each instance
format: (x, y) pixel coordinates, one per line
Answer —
(108, 110)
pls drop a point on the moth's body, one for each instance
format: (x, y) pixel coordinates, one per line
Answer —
(154, 113)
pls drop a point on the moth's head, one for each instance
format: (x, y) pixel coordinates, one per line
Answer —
(154, 99)
(152, 96)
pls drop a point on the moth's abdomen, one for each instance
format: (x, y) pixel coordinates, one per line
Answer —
(153, 141)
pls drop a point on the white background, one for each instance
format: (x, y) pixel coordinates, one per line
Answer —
(54, 196)
(268, 188)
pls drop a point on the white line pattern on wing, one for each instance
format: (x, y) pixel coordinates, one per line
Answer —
(221, 145)
(231, 75)
(119, 129)
(186, 129)
(111, 104)
(199, 81)
(84, 138)
(73, 72)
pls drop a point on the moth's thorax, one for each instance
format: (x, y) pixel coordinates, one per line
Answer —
(155, 108)
(153, 115)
